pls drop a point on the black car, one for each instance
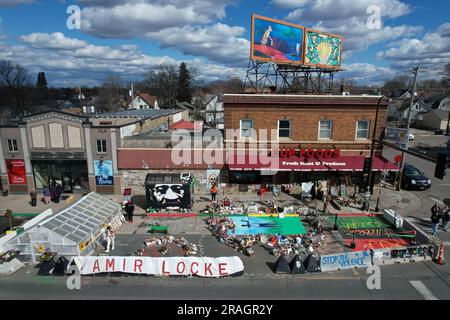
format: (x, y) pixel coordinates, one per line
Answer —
(414, 179)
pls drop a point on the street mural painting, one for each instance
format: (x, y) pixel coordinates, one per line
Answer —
(323, 49)
(345, 261)
(276, 41)
(168, 196)
(212, 177)
(103, 171)
(254, 225)
(16, 171)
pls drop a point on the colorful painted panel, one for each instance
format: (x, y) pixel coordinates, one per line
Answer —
(276, 41)
(254, 225)
(103, 170)
(323, 50)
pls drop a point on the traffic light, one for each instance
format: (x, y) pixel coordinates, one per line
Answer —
(441, 165)
(367, 162)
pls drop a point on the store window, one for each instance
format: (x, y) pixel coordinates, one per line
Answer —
(325, 129)
(284, 128)
(12, 145)
(246, 128)
(362, 129)
(101, 146)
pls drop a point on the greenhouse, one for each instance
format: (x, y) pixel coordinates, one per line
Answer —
(74, 231)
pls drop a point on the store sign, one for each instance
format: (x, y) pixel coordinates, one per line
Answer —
(16, 171)
(398, 137)
(309, 153)
(103, 171)
(170, 266)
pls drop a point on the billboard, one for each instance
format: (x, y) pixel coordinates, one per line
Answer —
(322, 49)
(398, 137)
(276, 41)
(103, 171)
(16, 171)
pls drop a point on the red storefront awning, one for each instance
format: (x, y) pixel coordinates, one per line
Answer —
(341, 163)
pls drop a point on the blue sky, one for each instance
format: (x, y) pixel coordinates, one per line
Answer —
(125, 37)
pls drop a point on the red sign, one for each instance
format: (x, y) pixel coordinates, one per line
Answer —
(309, 153)
(16, 171)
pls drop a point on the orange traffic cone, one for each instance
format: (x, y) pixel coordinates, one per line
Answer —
(440, 259)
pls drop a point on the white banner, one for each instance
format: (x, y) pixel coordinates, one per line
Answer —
(170, 266)
(341, 261)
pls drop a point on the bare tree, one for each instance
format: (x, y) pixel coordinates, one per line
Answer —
(111, 94)
(162, 81)
(15, 80)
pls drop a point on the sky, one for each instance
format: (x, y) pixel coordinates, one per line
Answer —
(126, 37)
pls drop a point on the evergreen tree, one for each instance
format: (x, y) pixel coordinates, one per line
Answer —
(184, 84)
(41, 81)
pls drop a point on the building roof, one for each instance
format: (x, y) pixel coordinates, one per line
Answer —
(406, 104)
(150, 100)
(183, 124)
(136, 113)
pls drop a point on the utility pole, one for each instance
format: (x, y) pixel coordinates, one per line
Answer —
(415, 71)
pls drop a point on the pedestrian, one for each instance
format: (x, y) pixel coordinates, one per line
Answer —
(53, 191)
(434, 209)
(129, 208)
(110, 238)
(46, 193)
(445, 218)
(33, 196)
(435, 218)
(213, 191)
(58, 192)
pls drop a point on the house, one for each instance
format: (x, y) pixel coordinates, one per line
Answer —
(436, 120)
(419, 106)
(143, 101)
(214, 110)
(401, 94)
(439, 102)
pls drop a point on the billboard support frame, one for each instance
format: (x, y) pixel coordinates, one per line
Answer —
(269, 77)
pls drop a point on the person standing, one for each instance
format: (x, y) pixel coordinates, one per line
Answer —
(46, 193)
(58, 192)
(435, 218)
(33, 196)
(214, 191)
(110, 238)
(129, 208)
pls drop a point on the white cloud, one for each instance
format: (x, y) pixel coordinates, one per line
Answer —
(432, 50)
(218, 42)
(88, 64)
(365, 73)
(13, 3)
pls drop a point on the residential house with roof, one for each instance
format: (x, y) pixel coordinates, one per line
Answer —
(419, 106)
(143, 101)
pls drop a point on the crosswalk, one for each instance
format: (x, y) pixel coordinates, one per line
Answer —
(423, 290)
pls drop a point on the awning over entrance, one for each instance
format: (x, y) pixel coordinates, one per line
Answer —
(341, 163)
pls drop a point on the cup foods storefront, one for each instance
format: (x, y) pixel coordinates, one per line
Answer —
(296, 166)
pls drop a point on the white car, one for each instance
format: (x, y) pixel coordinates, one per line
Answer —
(411, 137)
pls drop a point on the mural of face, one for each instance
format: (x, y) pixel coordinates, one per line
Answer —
(168, 195)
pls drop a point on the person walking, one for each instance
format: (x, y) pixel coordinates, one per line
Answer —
(129, 208)
(33, 196)
(214, 191)
(110, 238)
(435, 218)
(47, 195)
(445, 218)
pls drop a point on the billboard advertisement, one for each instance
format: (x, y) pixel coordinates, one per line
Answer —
(276, 41)
(322, 49)
(103, 171)
(16, 171)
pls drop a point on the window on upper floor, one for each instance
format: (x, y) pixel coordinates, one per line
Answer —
(325, 129)
(362, 129)
(284, 128)
(12, 145)
(101, 146)
(246, 128)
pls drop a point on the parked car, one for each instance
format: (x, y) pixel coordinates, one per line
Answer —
(414, 179)
(411, 137)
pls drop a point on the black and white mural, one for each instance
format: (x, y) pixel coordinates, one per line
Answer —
(168, 196)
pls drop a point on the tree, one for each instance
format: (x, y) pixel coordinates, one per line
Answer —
(111, 94)
(41, 83)
(184, 84)
(162, 81)
(446, 74)
(16, 83)
(397, 83)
